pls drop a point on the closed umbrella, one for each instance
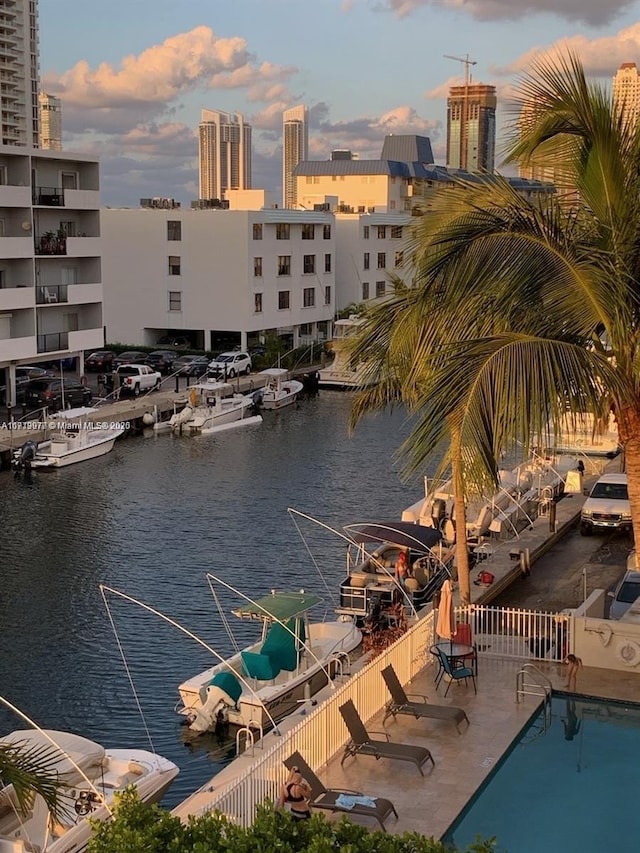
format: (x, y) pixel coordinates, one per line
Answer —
(445, 626)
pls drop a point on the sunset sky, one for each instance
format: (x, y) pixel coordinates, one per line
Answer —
(133, 75)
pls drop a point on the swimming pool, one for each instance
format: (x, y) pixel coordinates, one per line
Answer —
(574, 786)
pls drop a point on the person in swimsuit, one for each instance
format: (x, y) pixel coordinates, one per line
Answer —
(296, 793)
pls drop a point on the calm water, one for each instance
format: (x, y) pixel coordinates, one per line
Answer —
(150, 519)
(573, 788)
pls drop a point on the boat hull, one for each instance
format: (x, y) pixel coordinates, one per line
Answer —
(50, 461)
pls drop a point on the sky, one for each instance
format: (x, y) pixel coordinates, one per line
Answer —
(133, 75)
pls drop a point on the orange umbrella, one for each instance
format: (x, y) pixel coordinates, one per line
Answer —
(445, 626)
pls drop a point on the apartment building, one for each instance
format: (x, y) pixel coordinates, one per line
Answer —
(224, 153)
(19, 72)
(50, 265)
(222, 277)
(295, 149)
(50, 122)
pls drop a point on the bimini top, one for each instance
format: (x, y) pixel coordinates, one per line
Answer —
(403, 533)
(279, 606)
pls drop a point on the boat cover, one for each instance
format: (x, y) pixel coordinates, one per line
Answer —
(279, 606)
(406, 534)
(72, 751)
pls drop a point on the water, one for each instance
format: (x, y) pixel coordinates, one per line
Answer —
(150, 519)
(571, 788)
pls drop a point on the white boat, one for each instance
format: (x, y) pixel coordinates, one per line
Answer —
(90, 775)
(342, 374)
(279, 390)
(73, 439)
(211, 405)
(580, 435)
(292, 661)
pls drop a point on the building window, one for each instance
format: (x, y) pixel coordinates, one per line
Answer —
(327, 295)
(174, 265)
(365, 261)
(365, 232)
(174, 229)
(68, 228)
(396, 232)
(308, 232)
(322, 327)
(309, 297)
(327, 263)
(284, 264)
(398, 259)
(382, 260)
(283, 231)
(306, 329)
(308, 263)
(175, 300)
(380, 288)
(69, 180)
(382, 232)
(257, 267)
(326, 232)
(365, 290)
(257, 303)
(257, 230)
(283, 299)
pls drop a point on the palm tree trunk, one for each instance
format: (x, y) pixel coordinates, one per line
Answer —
(462, 550)
(629, 432)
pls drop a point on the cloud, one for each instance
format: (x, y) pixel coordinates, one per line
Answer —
(366, 134)
(591, 12)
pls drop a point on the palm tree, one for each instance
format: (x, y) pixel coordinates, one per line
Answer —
(525, 309)
(31, 771)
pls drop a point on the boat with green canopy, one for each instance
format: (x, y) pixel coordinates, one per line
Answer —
(294, 658)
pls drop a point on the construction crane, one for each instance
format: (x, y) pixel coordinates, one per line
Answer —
(464, 120)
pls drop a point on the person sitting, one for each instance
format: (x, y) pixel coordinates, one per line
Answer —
(296, 792)
(403, 570)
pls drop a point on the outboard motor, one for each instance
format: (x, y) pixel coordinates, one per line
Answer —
(23, 458)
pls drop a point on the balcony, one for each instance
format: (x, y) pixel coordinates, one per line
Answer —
(82, 199)
(15, 298)
(16, 247)
(12, 349)
(82, 294)
(86, 339)
(48, 196)
(53, 342)
(87, 246)
(13, 196)
(51, 294)
(51, 243)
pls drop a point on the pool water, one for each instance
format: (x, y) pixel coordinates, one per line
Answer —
(575, 787)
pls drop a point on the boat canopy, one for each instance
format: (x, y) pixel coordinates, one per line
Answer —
(278, 607)
(70, 751)
(274, 372)
(406, 534)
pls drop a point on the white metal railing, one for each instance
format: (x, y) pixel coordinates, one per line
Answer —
(322, 733)
(513, 633)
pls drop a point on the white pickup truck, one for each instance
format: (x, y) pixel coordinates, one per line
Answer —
(137, 378)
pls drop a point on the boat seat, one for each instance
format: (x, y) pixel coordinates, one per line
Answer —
(360, 579)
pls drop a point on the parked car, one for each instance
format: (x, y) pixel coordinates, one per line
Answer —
(57, 394)
(191, 365)
(624, 595)
(175, 341)
(230, 364)
(24, 374)
(162, 360)
(137, 378)
(607, 507)
(130, 357)
(99, 361)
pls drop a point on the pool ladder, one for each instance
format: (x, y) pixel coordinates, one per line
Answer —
(531, 681)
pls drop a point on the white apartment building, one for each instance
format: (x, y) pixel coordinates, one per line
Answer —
(50, 122)
(50, 257)
(221, 277)
(19, 72)
(295, 149)
(224, 153)
(626, 90)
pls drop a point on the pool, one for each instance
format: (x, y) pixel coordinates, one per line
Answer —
(575, 786)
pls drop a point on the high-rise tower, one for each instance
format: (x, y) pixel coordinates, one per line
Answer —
(19, 72)
(471, 127)
(50, 122)
(295, 149)
(626, 90)
(225, 153)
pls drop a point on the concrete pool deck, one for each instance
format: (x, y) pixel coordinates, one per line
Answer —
(462, 761)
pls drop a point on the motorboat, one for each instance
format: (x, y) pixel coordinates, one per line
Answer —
(370, 584)
(523, 493)
(72, 438)
(213, 406)
(90, 776)
(343, 374)
(279, 390)
(581, 434)
(294, 658)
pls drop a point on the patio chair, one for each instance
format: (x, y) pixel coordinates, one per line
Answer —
(456, 673)
(403, 703)
(340, 799)
(463, 635)
(362, 743)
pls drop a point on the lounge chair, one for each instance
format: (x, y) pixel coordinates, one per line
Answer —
(339, 799)
(403, 703)
(362, 743)
(456, 673)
